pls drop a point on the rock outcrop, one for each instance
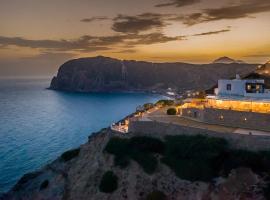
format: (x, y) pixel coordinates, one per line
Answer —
(107, 74)
(79, 178)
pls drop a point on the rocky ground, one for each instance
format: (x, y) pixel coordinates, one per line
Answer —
(80, 177)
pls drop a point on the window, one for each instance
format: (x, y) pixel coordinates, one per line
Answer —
(229, 87)
(254, 87)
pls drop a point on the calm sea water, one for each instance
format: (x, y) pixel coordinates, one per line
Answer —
(37, 125)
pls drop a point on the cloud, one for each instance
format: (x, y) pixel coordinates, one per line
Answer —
(92, 19)
(84, 43)
(178, 3)
(259, 55)
(138, 23)
(241, 10)
(50, 56)
(212, 32)
(129, 51)
(88, 43)
(154, 38)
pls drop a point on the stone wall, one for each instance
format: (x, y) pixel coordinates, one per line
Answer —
(159, 129)
(238, 119)
(247, 120)
(193, 113)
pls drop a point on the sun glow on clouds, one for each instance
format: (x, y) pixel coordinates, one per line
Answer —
(195, 31)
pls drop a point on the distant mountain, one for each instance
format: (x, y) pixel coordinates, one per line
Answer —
(103, 74)
(227, 60)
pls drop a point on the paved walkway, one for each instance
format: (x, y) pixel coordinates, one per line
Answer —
(161, 116)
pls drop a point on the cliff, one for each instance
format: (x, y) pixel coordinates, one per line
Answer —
(107, 74)
(158, 167)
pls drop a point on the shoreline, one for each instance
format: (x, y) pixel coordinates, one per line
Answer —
(161, 93)
(92, 134)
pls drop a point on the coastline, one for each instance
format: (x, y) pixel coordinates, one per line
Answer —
(90, 135)
(131, 91)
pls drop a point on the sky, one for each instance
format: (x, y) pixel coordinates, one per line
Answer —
(36, 36)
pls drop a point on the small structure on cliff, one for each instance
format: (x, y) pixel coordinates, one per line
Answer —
(242, 103)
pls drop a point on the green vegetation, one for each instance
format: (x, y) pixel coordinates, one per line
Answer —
(68, 155)
(156, 195)
(44, 185)
(171, 111)
(164, 102)
(194, 158)
(140, 149)
(109, 182)
(148, 106)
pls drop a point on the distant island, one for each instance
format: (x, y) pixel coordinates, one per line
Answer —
(103, 74)
(227, 60)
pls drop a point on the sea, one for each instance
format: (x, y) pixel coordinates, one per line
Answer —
(37, 125)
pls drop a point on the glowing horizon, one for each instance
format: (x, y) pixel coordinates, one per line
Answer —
(39, 36)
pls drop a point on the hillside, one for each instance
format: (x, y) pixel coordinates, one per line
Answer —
(107, 74)
(112, 166)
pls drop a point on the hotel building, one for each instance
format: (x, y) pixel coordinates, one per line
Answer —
(241, 103)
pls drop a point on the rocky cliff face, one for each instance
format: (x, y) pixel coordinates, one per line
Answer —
(79, 178)
(106, 74)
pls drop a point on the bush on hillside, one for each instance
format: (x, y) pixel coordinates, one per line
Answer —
(139, 149)
(192, 157)
(147, 144)
(156, 195)
(44, 185)
(171, 111)
(164, 102)
(258, 161)
(148, 106)
(68, 155)
(109, 182)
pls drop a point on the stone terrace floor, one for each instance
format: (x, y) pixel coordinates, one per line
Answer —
(161, 116)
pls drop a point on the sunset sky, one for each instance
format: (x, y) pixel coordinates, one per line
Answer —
(36, 36)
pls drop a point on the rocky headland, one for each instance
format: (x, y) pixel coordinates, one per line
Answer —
(103, 74)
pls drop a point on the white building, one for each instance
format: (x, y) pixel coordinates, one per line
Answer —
(236, 103)
(242, 88)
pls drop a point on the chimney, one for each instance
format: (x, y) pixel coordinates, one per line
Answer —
(237, 77)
